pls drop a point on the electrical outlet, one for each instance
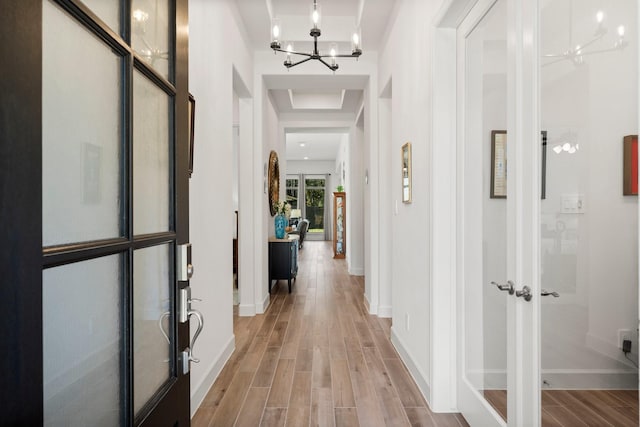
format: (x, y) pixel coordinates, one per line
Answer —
(624, 334)
(406, 321)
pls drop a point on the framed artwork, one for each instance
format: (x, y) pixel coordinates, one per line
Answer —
(406, 173)
(274, 182)
(543, 161)
(192, 127)
(630, 166)
(498, 164)
(498, 189)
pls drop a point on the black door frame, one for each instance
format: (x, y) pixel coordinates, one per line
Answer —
(22, 258)
(21, 212)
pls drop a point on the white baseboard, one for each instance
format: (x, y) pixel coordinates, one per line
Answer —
(199, 392)
(599, 379)
(416, 373)
(356, 271)
(261, 307)
(246, 310)
(385, 311)
(563, 379)
(372, 308)
(366, 303)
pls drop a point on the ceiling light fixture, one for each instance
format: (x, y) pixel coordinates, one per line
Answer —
(576, 54)
(276, 33)
(302, 144)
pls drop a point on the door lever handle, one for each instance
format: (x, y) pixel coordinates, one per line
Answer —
(525, 293)
(200, 318)
(545, 293)
(509, 287)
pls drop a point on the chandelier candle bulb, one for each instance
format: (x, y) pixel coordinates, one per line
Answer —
(356, 42)
(315, 16)
(290, 49)
(276, 31)
(333, 51)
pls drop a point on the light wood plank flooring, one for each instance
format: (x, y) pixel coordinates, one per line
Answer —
(579, 408)
(316, 358)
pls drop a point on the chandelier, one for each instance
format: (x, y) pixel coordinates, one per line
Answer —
(576, 53)
(330, 62)
(139, 29)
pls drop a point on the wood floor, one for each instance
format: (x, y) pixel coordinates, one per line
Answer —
(579, 408)
(316, 358)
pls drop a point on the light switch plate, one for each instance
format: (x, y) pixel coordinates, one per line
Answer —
(573, 204)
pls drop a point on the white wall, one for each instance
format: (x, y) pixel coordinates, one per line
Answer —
(355, 208)
(270, 138)
(236, 149)
(314, 167)
(211, 208)
(409, 240)
(352, 149)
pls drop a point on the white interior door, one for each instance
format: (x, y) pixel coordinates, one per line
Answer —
(498, 200)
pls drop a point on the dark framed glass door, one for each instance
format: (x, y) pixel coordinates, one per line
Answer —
(98, 97)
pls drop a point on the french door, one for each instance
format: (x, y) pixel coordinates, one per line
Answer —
(548, 212)
(94, 140)
(498, 196)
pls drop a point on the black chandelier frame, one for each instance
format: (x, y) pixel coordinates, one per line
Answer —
(315, 33)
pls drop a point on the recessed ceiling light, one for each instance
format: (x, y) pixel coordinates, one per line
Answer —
(306, 158)
(302, 144)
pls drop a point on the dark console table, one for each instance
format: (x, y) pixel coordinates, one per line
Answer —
(283, 259)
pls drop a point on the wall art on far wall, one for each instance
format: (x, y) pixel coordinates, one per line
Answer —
(630, 166)
(498, 189)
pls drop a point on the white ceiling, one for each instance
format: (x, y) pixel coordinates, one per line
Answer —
(316, 102)
(320, 145)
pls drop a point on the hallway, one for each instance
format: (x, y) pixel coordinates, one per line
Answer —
(316, 358)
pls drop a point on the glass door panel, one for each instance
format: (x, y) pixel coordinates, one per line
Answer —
(314, 198)
(484, 144)
(151, 35)
(153, 335)
(82, 343)
(107, 10)
(81, 135)
(588, 225)
(152, 153)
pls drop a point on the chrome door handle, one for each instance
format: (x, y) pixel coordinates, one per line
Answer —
(545, 293)
(509, 287)
(525, 293)
(200, 318)
(160, 320)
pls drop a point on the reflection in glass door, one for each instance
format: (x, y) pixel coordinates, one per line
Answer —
(486, 286)
(588, 226)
